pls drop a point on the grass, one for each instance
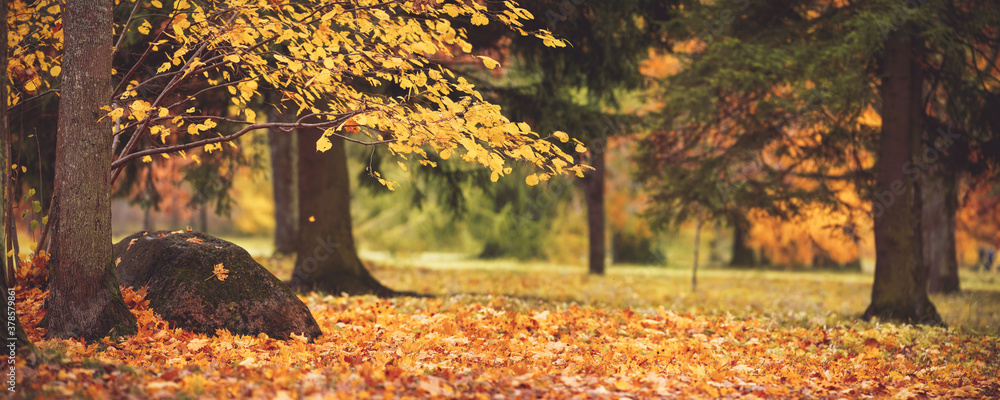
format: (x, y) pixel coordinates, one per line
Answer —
(800, 297)
(815, 297)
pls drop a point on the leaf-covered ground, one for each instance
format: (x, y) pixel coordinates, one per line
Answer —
(618, 344)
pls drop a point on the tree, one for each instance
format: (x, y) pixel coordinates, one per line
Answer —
(742, 253)
(84, 298)
(577, 89)
(800, 93)
(900, 288)
(284, 177)
(326, 257)
(320, 56)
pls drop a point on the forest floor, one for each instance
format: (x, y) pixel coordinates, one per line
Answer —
(512, 330)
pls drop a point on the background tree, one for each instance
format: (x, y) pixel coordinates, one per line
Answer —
(284, 177)
(20, 337)
(326, 256)
(33, 49)
(578, 89)
(900, 288)
(779, 86)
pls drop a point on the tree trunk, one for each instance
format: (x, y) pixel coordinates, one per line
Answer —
(900, 289)
(593, 194)
(147, 218)
(7, 207)
(697, 245)
(84, 299)
(742, 253)
(327, 260)
(203, 217)
(20, 337)
(284, 178)
(940, 202)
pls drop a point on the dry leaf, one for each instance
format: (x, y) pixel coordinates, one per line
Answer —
(220, 272)
(196, 344)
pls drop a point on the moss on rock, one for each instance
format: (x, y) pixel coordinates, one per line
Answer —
(178, 269)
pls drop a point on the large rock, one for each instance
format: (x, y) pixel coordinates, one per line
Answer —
(179, 269)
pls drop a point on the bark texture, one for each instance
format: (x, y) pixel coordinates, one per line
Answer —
(899, 292)
(593, 194)
(327, 259)
(84, 299)
(284, 176)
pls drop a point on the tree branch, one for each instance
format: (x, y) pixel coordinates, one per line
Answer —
(285, 126)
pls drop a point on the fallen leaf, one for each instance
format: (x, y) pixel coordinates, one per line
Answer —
(197, 344)
(220, 272)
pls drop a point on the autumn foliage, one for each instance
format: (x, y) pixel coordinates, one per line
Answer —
(485, 346)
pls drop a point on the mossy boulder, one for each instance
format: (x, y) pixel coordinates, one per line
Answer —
(187, 286)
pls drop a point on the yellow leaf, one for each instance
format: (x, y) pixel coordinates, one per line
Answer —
(562, 136)
(489, 62)
(531, 180)
(54, 71)
(480, 19)
(323, 144)
(233, 58)
(147, 159)
(156, 3)
(312, 218)
(580, 148)
(139, 108)
(494, 176)
(145, 27)
(251, 116)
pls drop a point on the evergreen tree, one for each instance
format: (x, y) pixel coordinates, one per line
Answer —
(578, 89)
(772, 101)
